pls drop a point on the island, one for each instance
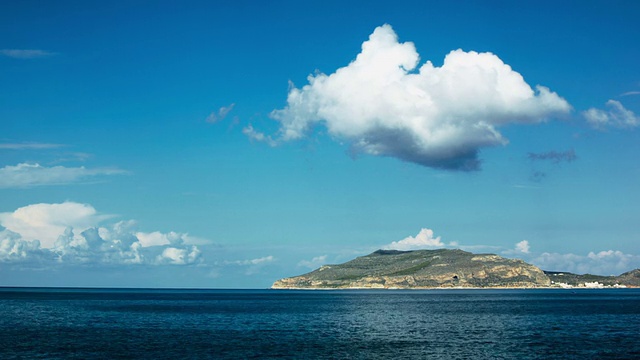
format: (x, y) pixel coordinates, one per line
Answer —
(445, 269)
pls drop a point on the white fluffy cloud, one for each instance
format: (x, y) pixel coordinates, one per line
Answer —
(29, 175)
(158, 238)
(45, 222)
(522, 247)
(383, 104)
(610, 262)
(178, 256)
(616, 116)
(14, 248)
(72, 233)
(423, 240)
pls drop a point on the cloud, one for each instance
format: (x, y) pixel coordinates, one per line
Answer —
(25, 53)
(629, 93)
(554, 156)
(617, 116)
(383, 104)
(522, 247)
(258, 261)
(158, 238)
(45, 222)
(252, 134)
(220, 114)
(253, 266)
(74, 157)
(423, 240)
(14, 248)
(73, 233)
(177, 256)
(27, 175)
(610, 262)
(314, 263)
(29, 146)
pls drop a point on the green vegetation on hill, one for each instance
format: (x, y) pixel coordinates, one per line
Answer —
(421, 269)
(443, 268)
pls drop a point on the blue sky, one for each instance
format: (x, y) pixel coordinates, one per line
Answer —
(229, 144)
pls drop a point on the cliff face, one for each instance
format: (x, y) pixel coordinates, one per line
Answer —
(421, 269)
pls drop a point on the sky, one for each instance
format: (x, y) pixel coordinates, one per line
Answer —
(228, 144)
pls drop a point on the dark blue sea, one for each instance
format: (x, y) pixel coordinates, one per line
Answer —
(49, 323)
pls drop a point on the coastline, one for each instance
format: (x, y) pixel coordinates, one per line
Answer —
(458, 288)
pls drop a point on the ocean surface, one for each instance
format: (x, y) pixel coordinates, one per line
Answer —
(45, 323)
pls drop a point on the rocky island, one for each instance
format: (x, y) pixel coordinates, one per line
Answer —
(443, 268)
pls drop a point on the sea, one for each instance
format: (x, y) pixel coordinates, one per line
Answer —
(61, 323)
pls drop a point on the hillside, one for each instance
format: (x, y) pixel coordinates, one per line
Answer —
(421, 269)
(628, 279)
(443, 268)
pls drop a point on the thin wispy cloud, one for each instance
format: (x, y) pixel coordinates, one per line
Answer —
(616, 116)
(314, 263)
(630, 93)
(253, 266)
(29, 146)
(258, 136)
(384, 104)
(73, 157)
(220, 114)
(27, 175)
(548, 161)
(554, 156)
(257, 261)
(26, 53)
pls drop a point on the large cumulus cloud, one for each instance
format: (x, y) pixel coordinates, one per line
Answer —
(73, 233)
(383, 104)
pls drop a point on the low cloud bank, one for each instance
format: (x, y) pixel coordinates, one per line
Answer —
(610, 262)
(70, 233)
